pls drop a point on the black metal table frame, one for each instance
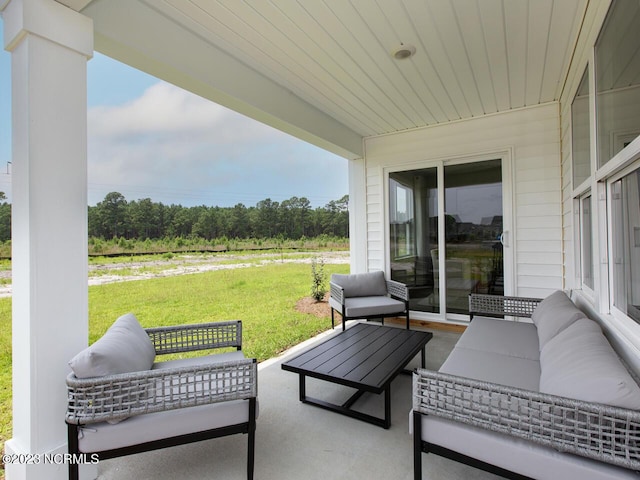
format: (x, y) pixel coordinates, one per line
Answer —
(345, 408)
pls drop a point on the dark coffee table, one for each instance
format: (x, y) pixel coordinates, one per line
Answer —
(366, 357)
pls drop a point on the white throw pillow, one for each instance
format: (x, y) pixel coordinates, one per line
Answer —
(580, 363)
(125, 347)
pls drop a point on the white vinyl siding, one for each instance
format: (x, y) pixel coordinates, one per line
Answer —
(530, 137)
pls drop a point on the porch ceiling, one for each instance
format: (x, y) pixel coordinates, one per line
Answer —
(323, 70)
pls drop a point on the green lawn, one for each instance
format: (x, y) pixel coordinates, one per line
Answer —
(263, 298)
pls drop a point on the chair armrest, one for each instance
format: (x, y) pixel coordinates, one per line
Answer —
(336, 292)
(189, 338)
(499, 305)
(601, 432)
(398, 290)
(116, 397)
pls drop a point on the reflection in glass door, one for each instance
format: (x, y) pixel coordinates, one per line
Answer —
(413, 218)
(471, 220)
(473, 228)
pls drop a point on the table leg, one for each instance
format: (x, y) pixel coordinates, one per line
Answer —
(302, 387)
(387, 406)
(345, 409)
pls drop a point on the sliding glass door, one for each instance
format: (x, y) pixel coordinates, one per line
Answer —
(455, 209)
(413, 218)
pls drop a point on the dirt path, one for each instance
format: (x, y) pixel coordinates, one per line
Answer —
(188, 264)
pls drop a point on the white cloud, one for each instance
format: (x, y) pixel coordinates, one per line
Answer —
(165, 109)
(176, 147)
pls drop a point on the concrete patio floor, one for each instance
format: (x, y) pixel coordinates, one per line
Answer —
(298, 441)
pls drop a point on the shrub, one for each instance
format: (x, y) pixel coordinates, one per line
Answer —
(318, 279)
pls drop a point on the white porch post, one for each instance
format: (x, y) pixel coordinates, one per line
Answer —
(358, 215)
(50, 45)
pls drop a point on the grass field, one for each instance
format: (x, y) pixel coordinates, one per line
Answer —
(263, 297)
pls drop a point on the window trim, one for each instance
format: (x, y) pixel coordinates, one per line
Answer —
(584, 185)
(588, 290)
(627, 156)
(622, 172)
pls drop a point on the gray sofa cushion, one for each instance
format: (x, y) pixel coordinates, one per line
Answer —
(493, 367)
(514, 339)
(554, 314)
(517, 455)
(125, 347)
(361, 284)
(580, 363)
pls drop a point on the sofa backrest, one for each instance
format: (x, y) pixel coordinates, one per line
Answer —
(555, 313)
(576, 358)
(361, 284)
(624, 347)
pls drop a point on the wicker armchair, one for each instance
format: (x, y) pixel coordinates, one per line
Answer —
(367, 296)
(125, 413)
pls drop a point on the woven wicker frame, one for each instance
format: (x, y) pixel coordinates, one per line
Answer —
(601, 432)
(336, 292)
(115, 397)
(497, 305)
(398, 290)
(189, 338)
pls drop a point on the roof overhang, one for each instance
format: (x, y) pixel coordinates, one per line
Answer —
(325, 72)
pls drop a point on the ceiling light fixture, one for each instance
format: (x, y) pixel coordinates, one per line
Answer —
(403, 51)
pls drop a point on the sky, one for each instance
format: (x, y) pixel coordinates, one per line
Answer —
(150, 139)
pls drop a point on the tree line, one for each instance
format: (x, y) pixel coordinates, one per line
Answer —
(293, 219)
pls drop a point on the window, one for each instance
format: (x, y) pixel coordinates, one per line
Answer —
(616, 98)
(625, 235)
(581, 142)
(586, 244)
(617, 82)
(401, 219)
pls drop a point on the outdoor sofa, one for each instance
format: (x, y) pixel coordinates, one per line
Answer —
(547, 400)
(121, 401)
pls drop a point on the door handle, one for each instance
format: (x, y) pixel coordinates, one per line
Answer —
(504, 238)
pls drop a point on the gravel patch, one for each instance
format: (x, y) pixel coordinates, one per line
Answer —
(189, 264)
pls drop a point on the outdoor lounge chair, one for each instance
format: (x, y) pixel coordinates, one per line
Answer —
(367, 296)
(121, 401)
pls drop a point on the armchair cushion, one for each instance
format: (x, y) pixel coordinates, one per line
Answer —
(361, 284)
(367, 306)
(125, 347)
(156, 426)
(197, 361)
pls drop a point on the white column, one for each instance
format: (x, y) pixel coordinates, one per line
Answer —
(50, 45)
(358, 241)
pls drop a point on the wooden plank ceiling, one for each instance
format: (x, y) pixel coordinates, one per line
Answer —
(473, 57)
